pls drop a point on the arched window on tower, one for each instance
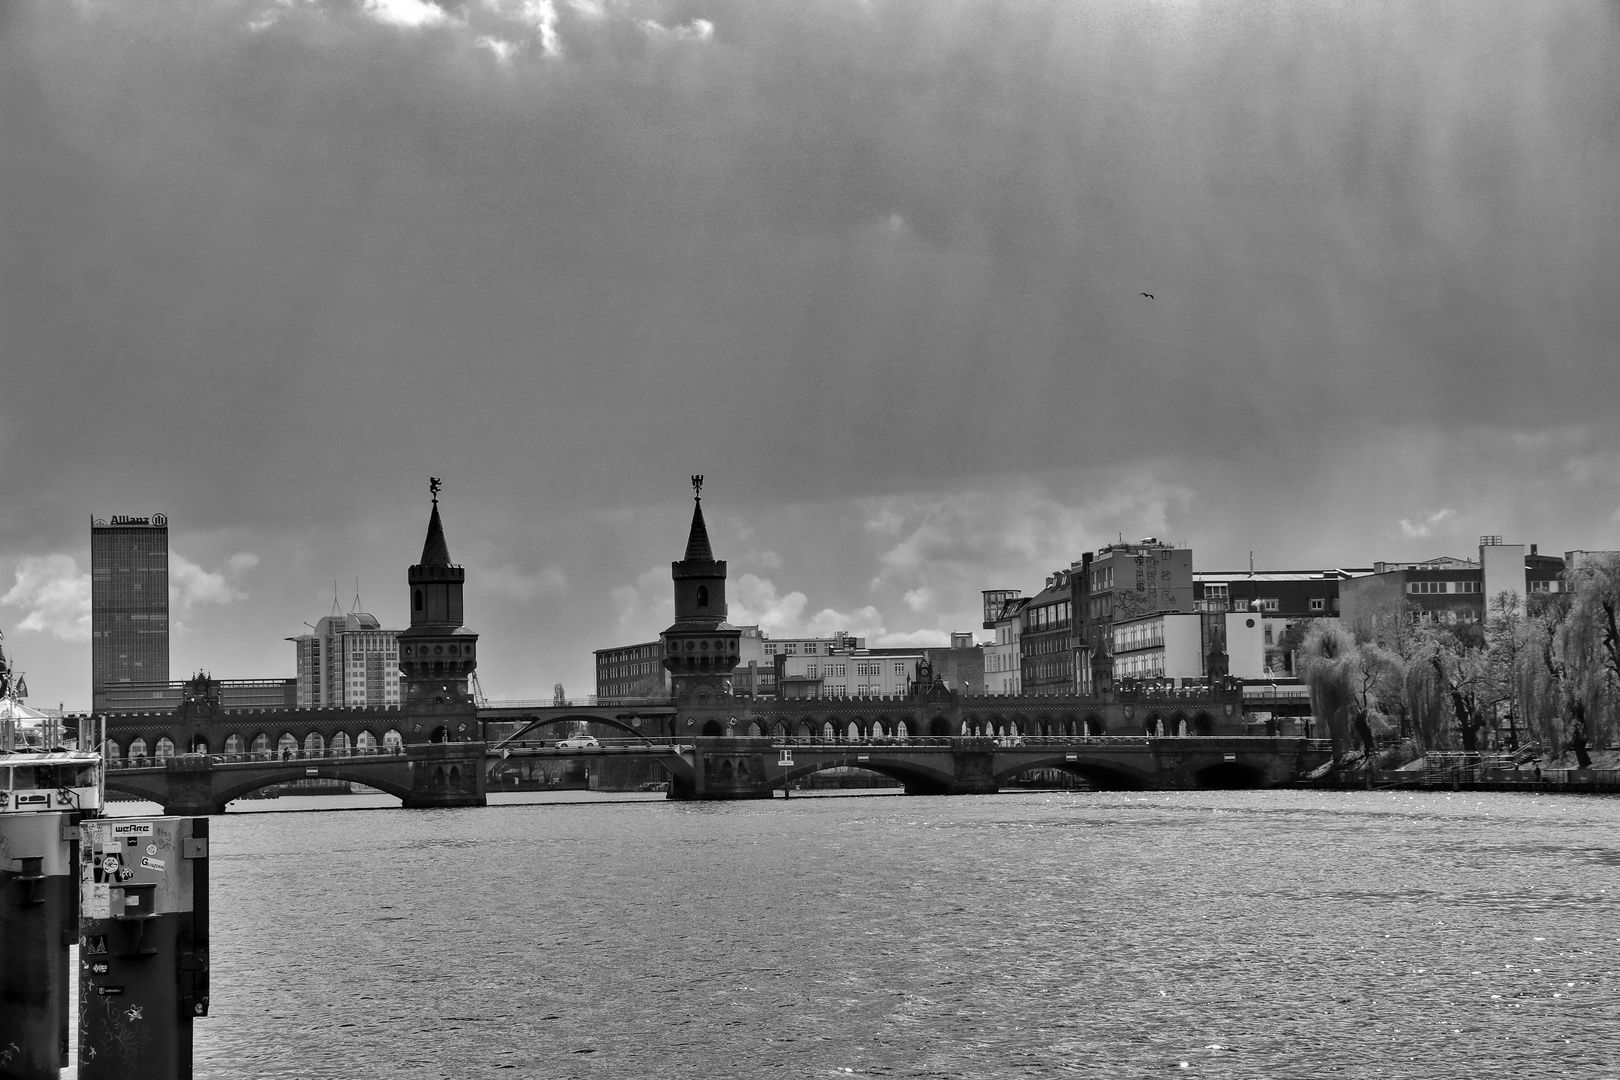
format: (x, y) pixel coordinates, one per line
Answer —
(418, 600)
(703, 596)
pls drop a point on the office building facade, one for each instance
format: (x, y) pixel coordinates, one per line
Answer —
(129, 603)
(348, 661)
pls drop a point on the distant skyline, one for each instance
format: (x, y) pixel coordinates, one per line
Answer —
(875, 269)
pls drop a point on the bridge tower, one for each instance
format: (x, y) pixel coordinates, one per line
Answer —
(437, 654)
(700, 648)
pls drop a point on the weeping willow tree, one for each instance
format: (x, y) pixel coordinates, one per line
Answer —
(1327, 664)
(1449, 688)
(1542, 680)
(1589, 647)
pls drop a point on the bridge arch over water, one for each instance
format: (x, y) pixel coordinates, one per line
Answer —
(1105, 775)
(918, 777)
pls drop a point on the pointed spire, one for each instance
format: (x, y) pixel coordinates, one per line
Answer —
(697, 545)
(435, 552)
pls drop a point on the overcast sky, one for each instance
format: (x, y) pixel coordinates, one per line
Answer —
(874, 268)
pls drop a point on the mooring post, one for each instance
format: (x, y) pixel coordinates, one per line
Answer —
(143, 946)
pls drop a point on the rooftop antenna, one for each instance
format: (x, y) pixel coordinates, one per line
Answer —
(337, 605)
(356, 594)
(1251, 564)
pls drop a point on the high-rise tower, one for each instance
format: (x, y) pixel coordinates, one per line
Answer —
(437, 654)
(701, 648)
(129, 603)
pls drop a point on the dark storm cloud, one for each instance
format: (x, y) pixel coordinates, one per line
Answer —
(268, 264)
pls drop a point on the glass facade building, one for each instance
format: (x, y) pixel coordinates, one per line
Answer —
(129, 603)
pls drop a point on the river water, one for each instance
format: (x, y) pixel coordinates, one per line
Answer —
(1221, 934)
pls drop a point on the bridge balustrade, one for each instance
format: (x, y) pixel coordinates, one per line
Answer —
(261, 756)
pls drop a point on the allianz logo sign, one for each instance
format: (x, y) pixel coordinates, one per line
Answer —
(156, 521)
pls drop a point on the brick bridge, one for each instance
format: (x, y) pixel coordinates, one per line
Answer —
(1202, 710)
(420, 775)
(753, 767)
(196, 758)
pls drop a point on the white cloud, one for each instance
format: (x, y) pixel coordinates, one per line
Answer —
(1428, 526)
(502, 48)
(919, 598)
(518, 584)
(914, 639)
(592, 10)
(409, 13)
(754, 600)
(647, 606)
(56, 595)
(696, 30)
(542, 15)
(190, 584)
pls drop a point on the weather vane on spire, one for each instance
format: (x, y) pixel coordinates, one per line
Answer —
(697, 486)
(434, 484)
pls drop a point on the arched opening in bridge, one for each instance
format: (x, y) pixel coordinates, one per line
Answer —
(392, 740)
(234, 744)
(843, 777)
(365, 742)
(1230, 775)
(111, 750)
(713, 727)
(314, 743)
(439, 734)
(1181, 726)
(807, 729)
(900, 730)
(754, 728)
(1203, 725)
(455, 776)
(165, 747)
(287, 745)
(1154, 726)
(197, 745)
(137, 748)
(438, 776)
(779, 730)
(854, 730)
(340, 743)
(828, 732)
(260, 744)
(877, 729)
(938, 726)
(1094, 725)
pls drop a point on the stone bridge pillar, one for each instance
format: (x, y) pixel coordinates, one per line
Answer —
(191, 788)
(446, 774)
(727, 769)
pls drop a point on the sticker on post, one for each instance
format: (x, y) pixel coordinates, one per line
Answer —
(132, 828)
(149, 863)
(109, 991)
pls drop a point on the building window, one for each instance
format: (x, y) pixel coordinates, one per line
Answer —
(1268, 603)
(1318, 605)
